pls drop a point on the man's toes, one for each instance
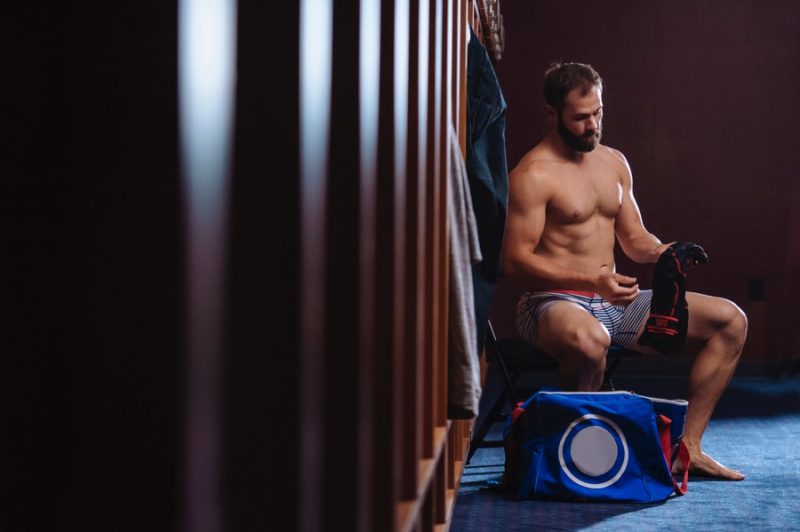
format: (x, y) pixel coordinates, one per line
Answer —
(708, 467)
(732, 474)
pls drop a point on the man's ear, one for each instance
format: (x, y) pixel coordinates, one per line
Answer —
(550, 113)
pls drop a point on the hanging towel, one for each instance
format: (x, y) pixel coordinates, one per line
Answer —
(464, 385)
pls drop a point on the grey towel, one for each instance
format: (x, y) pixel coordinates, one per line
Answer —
(464, 384)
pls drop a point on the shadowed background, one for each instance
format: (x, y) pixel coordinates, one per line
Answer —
(701, 98)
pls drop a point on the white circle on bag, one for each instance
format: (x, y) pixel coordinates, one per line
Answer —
(593, 451)
(589, 462)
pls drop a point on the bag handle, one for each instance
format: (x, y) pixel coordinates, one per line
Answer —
(683, 453)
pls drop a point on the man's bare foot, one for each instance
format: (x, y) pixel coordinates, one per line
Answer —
(703, 465)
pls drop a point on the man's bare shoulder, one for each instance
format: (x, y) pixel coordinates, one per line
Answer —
(616, 162)
(539, 164)
(534, 179)
(612, 156)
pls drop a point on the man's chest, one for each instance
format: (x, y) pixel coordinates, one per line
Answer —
(579, 197)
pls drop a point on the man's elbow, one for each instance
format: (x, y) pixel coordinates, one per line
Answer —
(510, 264)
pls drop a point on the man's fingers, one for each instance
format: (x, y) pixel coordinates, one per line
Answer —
(690, 249)
(625, 295)
(697, 253)
(631, 291)
(624, 280)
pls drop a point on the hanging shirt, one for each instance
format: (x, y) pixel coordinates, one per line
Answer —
(487, 169)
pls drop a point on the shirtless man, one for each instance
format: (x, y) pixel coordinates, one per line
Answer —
(570, 196)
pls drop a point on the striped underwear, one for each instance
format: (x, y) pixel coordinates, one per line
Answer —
(621, 322)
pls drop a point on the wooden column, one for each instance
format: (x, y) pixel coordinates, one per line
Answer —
(374, 321)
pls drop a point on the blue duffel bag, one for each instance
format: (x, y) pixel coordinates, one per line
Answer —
(595, 446)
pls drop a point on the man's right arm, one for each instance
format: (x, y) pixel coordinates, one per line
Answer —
(529, 193)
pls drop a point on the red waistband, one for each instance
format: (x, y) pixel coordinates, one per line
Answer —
(573, 292)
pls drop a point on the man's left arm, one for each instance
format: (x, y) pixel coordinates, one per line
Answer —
(637, 242)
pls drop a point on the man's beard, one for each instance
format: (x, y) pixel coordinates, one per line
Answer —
(582, 144)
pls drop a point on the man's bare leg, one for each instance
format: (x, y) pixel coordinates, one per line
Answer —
(719, 327)
(579, 342)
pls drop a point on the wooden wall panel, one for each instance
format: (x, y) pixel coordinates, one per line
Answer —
(375, 336)
(433, 246)
(340, 367)
(315, 72)
(332, 309)
(263, 383)
(369, 409)
(413, 257)
(445, 115)
(385, 468)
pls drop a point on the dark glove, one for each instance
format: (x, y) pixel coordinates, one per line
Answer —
(669, 313)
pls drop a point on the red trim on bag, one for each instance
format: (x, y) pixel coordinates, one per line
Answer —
(664, 423)
(663, 433)
(517, 411)
(513, 448)
(686, 460)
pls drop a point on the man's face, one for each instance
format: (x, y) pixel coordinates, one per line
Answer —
(580, 122)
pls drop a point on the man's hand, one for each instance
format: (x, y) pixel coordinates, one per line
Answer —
(688, 255)
(615, 288)
(669, 312)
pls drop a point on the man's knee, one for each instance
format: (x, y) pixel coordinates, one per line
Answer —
(727, 323)
(735, 321)
(586, 346)
(716, 317)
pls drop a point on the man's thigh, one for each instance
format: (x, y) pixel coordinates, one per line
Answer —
(562, 326)
(707, 315)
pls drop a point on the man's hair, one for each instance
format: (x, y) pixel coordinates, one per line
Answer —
(561, 78)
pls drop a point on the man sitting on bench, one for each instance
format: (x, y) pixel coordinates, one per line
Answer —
(569, 196)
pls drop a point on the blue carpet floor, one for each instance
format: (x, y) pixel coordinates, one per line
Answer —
(756, 429)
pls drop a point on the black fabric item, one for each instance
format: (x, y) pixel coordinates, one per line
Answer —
(487, 167)
(484, 290)
(666, 326)
(487, 170)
